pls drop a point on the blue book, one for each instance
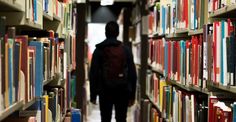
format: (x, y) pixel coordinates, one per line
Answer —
(10, 70)
(234, 112)
(16, 68)
(222, 53)
(163, 19)
(38, 67)
(75, 115)
(35, 11)
(195, 14)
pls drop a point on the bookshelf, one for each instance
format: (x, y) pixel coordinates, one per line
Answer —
(43, 47)
(47, 16)
(225, 12)
(195, 32)
(230, 89)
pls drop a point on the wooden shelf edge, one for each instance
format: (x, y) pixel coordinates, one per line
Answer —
(56, 18)
(47, 16)
(195, 32)
(224, 88)
(30, 103)
(13, 6)
(181, 31)
(8, 111)
(179, 85)
(45, 82)
(223, 10)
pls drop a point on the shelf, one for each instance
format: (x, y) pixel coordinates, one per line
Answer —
(155, 35)
(194, 88)
(180, 31)
(151, 5)
(33, 25)
(56, 18)
(45, 82)
(9, 5)
(231, 89)
(19, 19)
(30, 103)
(47, 16)
(195, 32)
(177, 35)
(227, 12)
(179, 85)
(10, 110)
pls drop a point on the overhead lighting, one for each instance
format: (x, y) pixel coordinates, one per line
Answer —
(106, 2)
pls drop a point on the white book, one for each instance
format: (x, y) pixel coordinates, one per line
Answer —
(205, 57)
(192, 108)
(226, 81)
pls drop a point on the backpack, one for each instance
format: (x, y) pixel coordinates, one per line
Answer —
(114, 67)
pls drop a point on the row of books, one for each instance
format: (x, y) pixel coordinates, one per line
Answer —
(169, 16)
(50, 108)
(173, 15)
(33, 11)
(224, 52)
(175, 104)
(217, 4)
(154, 19)
(178, 60)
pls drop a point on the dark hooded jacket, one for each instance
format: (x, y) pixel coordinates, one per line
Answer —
(95, 76)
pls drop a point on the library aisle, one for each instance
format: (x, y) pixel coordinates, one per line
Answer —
(94, 114)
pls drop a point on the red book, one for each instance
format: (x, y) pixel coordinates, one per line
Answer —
(24, 59)
(169, 59)
(186, 12)
(212, 100)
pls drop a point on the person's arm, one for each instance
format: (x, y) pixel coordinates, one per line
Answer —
(132, 76)
(93, 76)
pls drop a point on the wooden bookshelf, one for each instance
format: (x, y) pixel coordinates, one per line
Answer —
(45, 82)
(9, 5)
(47, 16)
(55, 17)
(8, 111)
(198, 89)
(231, 89)
(195, 32)
(177, 35)
(30, 103)
(225, 12)
(179, 31)
(173, 82)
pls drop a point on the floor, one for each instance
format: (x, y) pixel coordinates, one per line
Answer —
(94, 114)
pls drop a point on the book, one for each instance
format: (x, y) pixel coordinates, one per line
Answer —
(39, 67)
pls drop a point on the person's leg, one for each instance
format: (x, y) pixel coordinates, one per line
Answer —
(121, 108)
(105, 108)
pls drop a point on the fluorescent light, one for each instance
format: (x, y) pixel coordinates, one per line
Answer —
(106, 2)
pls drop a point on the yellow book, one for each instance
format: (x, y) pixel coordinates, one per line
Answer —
(46, 107)
(6, 77)
(162, 84)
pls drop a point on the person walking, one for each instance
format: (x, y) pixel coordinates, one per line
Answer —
(112, 76)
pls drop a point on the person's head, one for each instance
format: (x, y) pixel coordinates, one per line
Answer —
(112, 29)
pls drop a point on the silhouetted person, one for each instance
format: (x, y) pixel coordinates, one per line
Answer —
(112, 76)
